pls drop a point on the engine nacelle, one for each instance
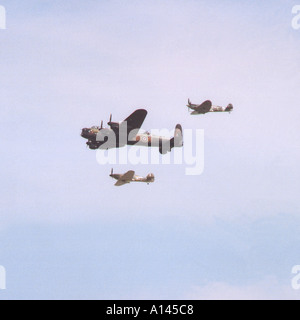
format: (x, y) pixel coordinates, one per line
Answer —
(92, 145)
(107, 139)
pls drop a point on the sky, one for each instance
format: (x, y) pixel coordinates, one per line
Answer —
(230, 233)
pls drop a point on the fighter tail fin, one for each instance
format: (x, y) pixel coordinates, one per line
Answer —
(229, 107)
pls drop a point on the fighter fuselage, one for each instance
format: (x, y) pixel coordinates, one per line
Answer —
(149, 179)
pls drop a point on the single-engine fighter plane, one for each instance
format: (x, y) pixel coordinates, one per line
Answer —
(130, 176)
(127, 133)
(206, 107)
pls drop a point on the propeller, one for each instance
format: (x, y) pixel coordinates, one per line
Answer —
(110, 119)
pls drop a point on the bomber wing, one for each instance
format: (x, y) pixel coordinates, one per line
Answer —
(136, 119)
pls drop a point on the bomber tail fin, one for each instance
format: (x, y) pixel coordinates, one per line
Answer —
(177, 141)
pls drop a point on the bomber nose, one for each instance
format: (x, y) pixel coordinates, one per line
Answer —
(84, 132)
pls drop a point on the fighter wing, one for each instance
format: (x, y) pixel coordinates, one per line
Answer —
(125, 178)
(120, 183)
(136, 119)
(204, 107)
(128, 176)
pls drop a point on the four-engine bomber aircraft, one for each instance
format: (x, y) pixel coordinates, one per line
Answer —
(127, 133)
(130, 176)
(206, 107)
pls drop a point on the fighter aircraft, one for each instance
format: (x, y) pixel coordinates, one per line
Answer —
(130, 176)
(206, 107)
(127, 133)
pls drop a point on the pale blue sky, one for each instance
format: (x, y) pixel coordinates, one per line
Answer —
(67, 232)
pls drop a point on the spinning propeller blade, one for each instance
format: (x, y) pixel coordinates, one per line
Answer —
(110, 119)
